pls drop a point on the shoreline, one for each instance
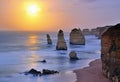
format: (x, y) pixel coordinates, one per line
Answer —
(92, 73)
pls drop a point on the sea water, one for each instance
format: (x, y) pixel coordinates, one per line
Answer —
(21, 51)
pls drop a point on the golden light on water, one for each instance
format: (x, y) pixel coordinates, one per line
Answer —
(33, 58)
(33, 39)
(32, 42)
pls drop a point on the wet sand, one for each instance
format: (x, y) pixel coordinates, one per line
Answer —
(93, 73)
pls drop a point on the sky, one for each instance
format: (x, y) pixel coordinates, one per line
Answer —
(58, 14)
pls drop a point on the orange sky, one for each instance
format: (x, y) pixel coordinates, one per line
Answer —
(16, 17)
(57, 14)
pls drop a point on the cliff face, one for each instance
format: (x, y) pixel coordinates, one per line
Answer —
(61, 44)
(76, 37)
(101, 30)
(110, 53)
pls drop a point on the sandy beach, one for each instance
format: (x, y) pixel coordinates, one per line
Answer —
(93, 73)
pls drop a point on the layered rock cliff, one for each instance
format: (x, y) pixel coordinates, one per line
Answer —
(76, 37)
(61, 44)
(110, 53)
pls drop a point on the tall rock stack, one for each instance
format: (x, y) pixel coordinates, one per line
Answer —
(49, 41)
(76, 37)
(61, 44)
(110, 53)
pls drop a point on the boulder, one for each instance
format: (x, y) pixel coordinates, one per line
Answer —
(47, 72)
(49, 41)
(73, 55)
(76, 37)
(38, 73)
(110, 53)
(61, 44)
(34, 72)
(43, 61)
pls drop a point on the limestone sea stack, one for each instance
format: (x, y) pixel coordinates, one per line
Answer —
(86, 31)
(76, 37)
(49, 41)
(61, 44)
(93, 31)
(110, 53)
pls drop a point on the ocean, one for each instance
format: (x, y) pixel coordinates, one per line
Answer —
(21, 51)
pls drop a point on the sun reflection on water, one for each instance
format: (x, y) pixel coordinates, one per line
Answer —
(33, 43)
(33, 46)
(32, 59)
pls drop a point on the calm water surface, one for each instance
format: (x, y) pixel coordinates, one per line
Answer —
(21, 51)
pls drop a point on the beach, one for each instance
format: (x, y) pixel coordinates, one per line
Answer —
(93, 73)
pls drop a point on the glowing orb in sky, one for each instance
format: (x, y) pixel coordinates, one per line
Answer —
(33, 9)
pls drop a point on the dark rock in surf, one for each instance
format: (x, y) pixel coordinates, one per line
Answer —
(43, 61)
(34, 72)
(47, 72)
(38, 73)
(73, 55)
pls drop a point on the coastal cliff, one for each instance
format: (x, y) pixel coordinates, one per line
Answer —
(101, 30)
(110, 53)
